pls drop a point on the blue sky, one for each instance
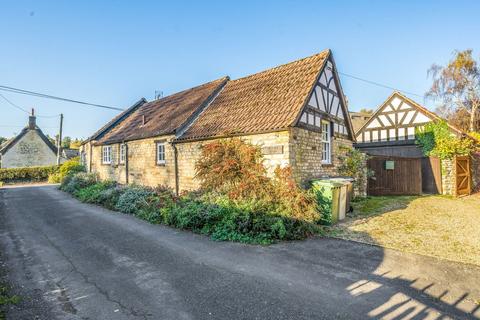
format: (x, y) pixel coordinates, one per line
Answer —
(113, 52)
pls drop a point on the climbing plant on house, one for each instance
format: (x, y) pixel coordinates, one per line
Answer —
(436, 139)
(353, 163)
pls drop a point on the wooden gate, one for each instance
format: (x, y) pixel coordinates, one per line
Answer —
(463, 179)
(431, 175)
(395, 176)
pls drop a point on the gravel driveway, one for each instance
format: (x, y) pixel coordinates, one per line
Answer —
(75, 261)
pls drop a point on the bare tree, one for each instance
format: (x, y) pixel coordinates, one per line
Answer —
(457, 85)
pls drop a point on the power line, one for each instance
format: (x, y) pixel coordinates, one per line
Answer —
(23, 109)
(379, 84)
(13, 104)
(47, 96)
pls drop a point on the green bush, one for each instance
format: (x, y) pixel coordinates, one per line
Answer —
(69, 167)
(104, 193)
(28, 174)
(210, 213)
(134, 198)
(74, 183)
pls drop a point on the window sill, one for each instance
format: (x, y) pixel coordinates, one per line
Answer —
(161, 164)
(327, 165)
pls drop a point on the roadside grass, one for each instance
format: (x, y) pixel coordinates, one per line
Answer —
(6, 299)
(440, 226)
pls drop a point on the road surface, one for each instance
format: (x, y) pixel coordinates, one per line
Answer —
(75, 261)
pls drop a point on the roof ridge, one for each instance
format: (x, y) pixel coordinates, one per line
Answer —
(190, 89)
(323, 52)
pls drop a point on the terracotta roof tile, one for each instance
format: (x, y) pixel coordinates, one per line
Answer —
(162, 116)
(265, 101)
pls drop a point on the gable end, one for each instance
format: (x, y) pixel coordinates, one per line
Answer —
(327, 102)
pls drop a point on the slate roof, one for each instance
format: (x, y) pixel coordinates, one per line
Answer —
(266, 101)
(162, 116)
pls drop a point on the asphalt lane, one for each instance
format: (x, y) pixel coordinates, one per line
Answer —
(76, 261)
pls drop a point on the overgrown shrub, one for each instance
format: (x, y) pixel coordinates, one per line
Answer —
(134, 198)
(73, 183)
(69, 167)
(232, 166)
(210, 213)
(225, 219)
(353, 163)
(28, 174)
(235, 168)
(105, 193)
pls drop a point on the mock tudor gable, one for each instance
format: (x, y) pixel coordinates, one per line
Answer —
(327, 103)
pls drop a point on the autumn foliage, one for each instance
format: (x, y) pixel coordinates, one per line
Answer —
(235, 168)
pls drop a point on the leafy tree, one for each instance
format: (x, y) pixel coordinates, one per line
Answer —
(66, 142)
(2, 140)
(457, 85)
(75, 144)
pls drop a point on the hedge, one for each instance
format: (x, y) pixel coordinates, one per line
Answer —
(29, 174)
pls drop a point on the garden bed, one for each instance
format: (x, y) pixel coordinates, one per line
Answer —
(207, 213)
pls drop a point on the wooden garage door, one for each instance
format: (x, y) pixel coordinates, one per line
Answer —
(463, 181)
(431, 175)
(395, 176)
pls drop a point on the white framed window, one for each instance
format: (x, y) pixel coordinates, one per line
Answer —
(326, 143)
(107, 154)
(83, 158)
(161, 153)
(123, 153)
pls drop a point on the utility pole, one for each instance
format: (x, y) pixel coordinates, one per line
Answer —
(59, 142)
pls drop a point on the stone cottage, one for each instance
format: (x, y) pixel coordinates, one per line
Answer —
(296, 112)
(29, 148)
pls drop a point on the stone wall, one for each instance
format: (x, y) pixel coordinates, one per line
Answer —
(306, 155)
(297, 147)
(448, 176)
(476, 172)
(142, 165)
(275, 147)
(29, 151)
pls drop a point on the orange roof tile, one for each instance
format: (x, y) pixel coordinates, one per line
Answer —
(266, 101)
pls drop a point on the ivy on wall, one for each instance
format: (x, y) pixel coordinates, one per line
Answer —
(436, 139)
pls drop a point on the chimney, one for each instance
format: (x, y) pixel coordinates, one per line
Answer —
(32, 120)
